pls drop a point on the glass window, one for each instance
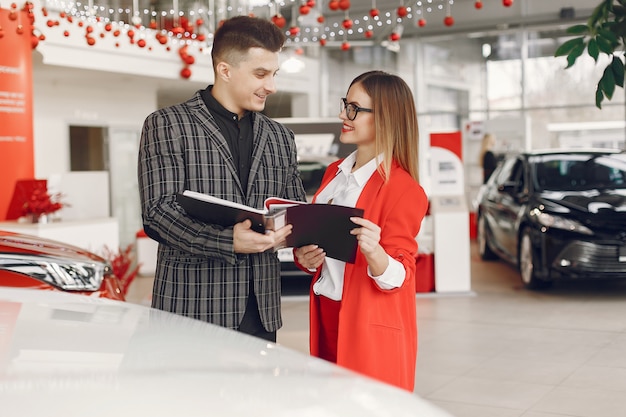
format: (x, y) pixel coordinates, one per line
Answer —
(569, 172)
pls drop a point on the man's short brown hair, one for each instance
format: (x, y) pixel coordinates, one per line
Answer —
(237, 35)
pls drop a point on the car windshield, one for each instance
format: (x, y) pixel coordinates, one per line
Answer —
(575, 172)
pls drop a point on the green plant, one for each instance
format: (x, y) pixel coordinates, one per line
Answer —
(605, 32)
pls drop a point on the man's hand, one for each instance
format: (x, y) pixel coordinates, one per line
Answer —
(310, 256)
(246, 240)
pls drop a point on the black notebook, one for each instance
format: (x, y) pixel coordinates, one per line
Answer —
(325, 225)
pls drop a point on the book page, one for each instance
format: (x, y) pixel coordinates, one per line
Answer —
(221, 201)
(274, 203)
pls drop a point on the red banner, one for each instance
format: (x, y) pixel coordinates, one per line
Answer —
(16, 104)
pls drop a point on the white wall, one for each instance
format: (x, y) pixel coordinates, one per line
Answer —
(64, 103)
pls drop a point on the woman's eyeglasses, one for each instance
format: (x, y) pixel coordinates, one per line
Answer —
(351, 109)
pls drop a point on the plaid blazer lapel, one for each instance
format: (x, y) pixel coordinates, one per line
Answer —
(260, 136)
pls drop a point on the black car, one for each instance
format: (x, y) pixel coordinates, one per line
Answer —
(556, 214)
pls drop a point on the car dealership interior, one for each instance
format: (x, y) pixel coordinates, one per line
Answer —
(521, 292)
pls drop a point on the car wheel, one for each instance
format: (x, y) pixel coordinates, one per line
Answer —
(527, 264)
(486, 254)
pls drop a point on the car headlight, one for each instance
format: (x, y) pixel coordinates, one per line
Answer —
(67, 275)
(559, 222)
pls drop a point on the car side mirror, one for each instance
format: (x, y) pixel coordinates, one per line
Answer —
(509, 187)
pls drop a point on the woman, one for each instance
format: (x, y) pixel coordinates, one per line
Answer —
(487, 158)
(363, 315)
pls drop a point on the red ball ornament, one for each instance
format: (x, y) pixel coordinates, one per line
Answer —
(80, 24)
(34, 41)
(344, 4)
(201, 37)
(345, 46)
(323, 42)
(108, 27)
(89, 29)
(91, 41)
(189, 60)
(299, 51)
(185, 73)
(102, 35)
(66, 33)
(152, 25)
(374, 12)
(42, 37)
(310, 3)
(50, 23)
(141, 43)
(402, 11)
(279, 20)
(333, 5)
(294, 30)
(394, 37)
(199, 22)
(116, 33)
(421, 23)
(448, 21)
(478, 4)
(320, 19)
(369, 34)
(130, 33)
(44, 11)
(304, 9)
(507, 3)
(347, 23)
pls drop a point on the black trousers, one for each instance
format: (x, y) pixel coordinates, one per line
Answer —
(251, 323)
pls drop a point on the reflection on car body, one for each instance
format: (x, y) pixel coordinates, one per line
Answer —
(32, 262)
(67, 355)
(556, 214)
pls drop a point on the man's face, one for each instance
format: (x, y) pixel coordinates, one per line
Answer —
(252, 80)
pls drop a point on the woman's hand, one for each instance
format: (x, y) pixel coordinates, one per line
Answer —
(368, 236)
(310, 256)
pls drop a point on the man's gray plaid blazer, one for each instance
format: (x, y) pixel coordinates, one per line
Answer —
(198, 274)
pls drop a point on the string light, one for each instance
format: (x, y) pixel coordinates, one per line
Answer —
(193, 29)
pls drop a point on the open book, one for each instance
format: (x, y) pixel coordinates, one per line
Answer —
(325, 225)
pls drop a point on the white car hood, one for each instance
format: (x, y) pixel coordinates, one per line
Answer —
(67, 355)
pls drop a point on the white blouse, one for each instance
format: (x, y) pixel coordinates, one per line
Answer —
(345, 190)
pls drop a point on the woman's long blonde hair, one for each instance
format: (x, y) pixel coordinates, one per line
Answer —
(395, 121)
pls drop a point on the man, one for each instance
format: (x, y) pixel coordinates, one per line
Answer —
(218, 143)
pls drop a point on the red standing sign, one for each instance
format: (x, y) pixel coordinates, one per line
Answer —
(16, 104)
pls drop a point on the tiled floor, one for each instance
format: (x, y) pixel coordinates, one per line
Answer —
(506, 352)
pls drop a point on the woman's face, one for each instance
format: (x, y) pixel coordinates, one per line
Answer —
(359, 131)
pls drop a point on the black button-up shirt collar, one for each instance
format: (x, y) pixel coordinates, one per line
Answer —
(237, 132)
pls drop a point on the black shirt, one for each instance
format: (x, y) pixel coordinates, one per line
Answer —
(489, 165)
(237, 132)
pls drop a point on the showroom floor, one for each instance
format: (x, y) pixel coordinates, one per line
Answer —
(502, 351)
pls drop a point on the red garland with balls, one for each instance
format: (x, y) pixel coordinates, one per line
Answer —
(186, 30)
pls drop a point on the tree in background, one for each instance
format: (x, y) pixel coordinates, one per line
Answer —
(605, 32)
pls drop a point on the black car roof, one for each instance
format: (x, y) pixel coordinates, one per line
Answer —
(577, 151)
